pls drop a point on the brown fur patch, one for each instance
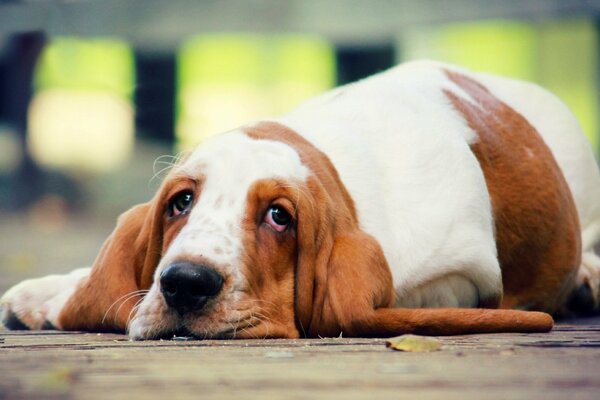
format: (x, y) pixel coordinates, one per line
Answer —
(126, 263)
(536, 223)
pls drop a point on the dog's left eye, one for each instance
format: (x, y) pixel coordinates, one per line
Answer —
(181, 203)
(278, 218)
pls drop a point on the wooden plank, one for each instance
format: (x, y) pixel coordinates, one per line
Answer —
(558, 365)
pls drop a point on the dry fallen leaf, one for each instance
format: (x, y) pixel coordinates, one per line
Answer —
(413, 343)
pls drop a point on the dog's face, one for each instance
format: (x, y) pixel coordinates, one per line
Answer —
(228, 262)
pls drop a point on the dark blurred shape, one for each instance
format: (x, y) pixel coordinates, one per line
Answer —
(23, 188)
(155, 96)
(357, 62)
(20, 57)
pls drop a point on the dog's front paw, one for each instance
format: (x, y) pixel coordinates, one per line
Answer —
(36, 303)
(23, 306)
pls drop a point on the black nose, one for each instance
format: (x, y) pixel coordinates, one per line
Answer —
(187, 287)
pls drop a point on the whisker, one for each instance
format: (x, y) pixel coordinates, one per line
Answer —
(157, 174)
(123, 303)
(134, 310)
(119, 299)
(252, 301)
(301, 327)
(268, 331)
(122, 300)
(234, 329)
(169, 161)
(247, 331)
(256, 318)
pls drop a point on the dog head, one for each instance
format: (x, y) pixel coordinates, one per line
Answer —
(237, 242)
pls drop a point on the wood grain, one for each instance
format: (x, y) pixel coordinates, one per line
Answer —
(563, 364)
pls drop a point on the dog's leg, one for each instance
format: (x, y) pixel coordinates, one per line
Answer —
(585, 299)
(36, 303)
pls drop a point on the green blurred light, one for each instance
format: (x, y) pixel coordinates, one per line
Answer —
(220, 58)
(568, 51)
(260, 75)
(86, 64)
(81, 117)
(500, 47)
(260, 60)
(305, 59)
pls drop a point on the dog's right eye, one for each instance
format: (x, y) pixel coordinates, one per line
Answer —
(181, 203)
(278, 218)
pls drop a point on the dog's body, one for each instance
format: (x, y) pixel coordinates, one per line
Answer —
(424, 186)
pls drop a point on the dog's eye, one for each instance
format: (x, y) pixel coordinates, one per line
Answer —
(181, 203)
(278, 218)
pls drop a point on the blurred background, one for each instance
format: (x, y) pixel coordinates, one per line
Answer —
(96, 96)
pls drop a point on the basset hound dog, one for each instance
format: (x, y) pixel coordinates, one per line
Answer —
(425, 199)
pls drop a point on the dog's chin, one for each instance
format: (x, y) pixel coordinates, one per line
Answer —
(170, 325)
(197, 329)
(181, 332)
(154, 320)
(140, 330)
(260, 331)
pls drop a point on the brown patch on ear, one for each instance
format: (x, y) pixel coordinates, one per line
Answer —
(125, 264)
(329, 210)
(536, 223)
(358, 282)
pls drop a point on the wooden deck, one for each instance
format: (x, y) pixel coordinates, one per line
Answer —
(563, 364)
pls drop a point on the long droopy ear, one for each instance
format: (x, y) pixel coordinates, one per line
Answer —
(359, 301)
(123, 269)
